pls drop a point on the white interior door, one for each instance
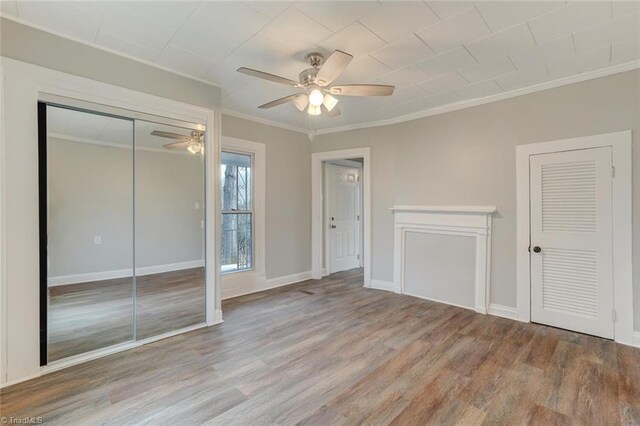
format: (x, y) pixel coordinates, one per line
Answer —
(571, 240)
(344, 217)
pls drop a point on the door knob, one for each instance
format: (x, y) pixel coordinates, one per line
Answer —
(537, 249)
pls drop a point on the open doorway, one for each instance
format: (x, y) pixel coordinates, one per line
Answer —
(347, 246)
(342, 215)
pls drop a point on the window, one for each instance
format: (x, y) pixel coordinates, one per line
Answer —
(236, 177)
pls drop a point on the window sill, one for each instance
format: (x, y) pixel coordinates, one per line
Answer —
(239, 271)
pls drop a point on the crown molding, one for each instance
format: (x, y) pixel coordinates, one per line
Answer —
(265, 121)
(106, 49)
(116, 145)
(602, 72)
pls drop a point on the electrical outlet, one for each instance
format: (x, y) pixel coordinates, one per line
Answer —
(97, 239)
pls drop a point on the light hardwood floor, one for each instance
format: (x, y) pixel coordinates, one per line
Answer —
(89, 316)
(332, 352)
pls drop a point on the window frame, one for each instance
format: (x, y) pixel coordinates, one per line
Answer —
(234, 282)
(238, 212)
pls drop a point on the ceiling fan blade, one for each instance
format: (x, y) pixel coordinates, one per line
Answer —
(333, 67)
(177, 145)
(267, 76)
(169, 135)
(335, 111)
(362, 90)
(280, 101)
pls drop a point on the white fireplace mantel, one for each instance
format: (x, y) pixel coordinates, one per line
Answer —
(447, 209)
(470, 221)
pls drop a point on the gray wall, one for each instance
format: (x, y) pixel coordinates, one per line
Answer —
(288, 193)
(467, 157)
(169, 227)
(91, 193)
(27, 44)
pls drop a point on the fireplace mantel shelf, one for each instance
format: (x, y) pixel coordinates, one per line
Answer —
(446, 209)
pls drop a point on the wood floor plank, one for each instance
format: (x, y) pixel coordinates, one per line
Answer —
(332, 352)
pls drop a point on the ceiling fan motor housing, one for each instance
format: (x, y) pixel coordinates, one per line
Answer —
(308, 76)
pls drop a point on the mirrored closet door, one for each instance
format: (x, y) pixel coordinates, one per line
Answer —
(122, 256)
(89, 169)
(170, 286)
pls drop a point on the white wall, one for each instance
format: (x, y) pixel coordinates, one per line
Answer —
(467, 157)
(433, 259)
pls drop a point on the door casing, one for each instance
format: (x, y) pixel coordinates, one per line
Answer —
(620, 142)
(317, 213)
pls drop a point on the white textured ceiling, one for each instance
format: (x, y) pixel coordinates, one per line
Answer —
(434, 52)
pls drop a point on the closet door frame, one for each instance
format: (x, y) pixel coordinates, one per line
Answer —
(213, 314)
(620, 142)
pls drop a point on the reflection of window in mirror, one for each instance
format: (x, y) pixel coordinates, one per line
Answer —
(236, 178)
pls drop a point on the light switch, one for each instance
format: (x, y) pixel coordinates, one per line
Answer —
(202, 224)
(97, 239)
(197, 206)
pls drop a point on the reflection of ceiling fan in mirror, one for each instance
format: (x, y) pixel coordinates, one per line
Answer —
(316, 83)
(194, 143)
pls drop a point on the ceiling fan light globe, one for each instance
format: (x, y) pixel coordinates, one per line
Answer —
(316, 97)
(194, 148)
(329, 102)
(314, 110)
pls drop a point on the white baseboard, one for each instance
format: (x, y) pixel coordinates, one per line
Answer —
(457, 305)
(636, 339)
(503, 311)
(288, 279)
(248, 286)
(382, 285)
(23, 379)
(122, 273)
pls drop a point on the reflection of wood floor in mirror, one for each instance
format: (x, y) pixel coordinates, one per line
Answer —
(89, 316)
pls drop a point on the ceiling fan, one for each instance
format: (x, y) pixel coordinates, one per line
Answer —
(193, 143)
(318, 96)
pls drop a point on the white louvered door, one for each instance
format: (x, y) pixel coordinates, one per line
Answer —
(571, 224)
